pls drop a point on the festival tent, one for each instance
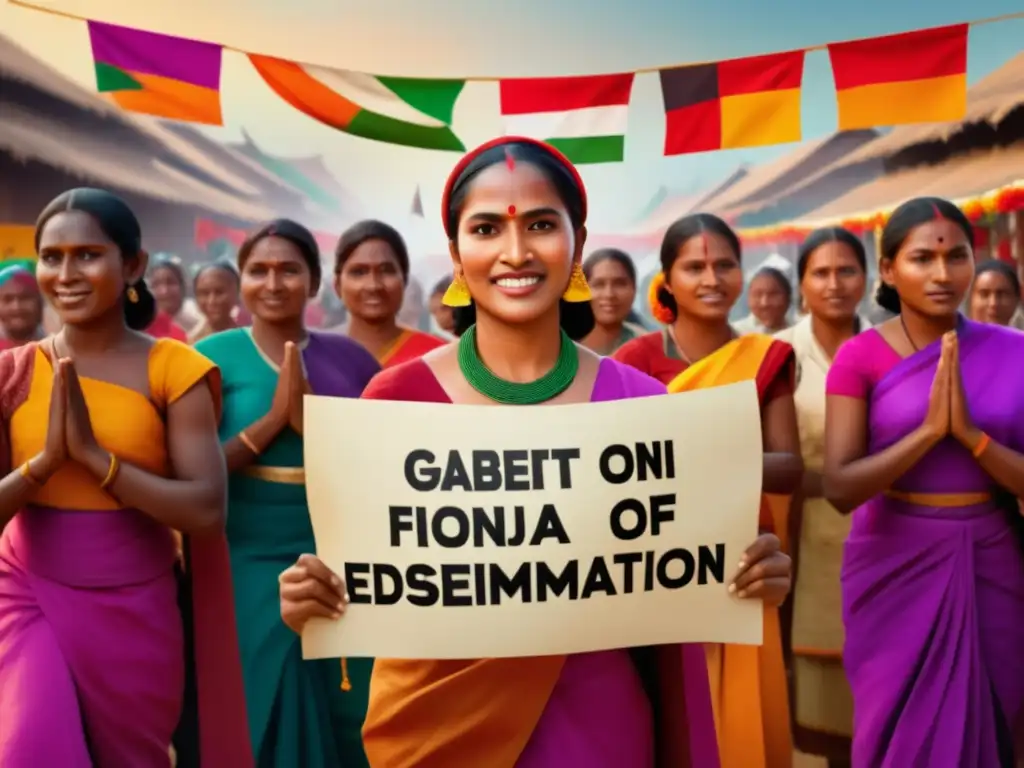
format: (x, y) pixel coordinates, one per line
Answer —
(761, 191)
(975, 161)
(327, 203)
(56, 134)
(960, 177)
(277, 193)
(766, 192)
(990, 103)
(643, 238)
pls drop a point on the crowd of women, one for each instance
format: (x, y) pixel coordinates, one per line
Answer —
(155, 561)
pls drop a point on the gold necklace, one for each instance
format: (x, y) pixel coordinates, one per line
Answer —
(679, 349)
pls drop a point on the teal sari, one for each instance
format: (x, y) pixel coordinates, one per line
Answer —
(299, 716)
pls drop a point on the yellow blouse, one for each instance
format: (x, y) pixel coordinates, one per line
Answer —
(125, 422)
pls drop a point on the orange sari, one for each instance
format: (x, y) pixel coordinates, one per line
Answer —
(748, 683)
(447, 713)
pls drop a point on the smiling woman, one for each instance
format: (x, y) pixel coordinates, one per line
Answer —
(108, 441)
(515, 214)
(700, 281)
(298, 713)
(168, 283)
(612, 279)
(371, 273)
(995, 294)
(543, 228)
(832, 267)
(770, 297)
(217, 287)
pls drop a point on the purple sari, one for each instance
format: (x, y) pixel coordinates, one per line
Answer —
(933, 596)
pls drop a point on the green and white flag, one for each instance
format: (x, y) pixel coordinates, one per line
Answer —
(584, 117)
(412, 112)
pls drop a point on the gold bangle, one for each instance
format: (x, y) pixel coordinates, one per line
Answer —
(982, 445)
(245, 440)
(112, 472)
(26, 472)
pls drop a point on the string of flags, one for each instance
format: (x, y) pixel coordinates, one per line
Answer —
(755, 101)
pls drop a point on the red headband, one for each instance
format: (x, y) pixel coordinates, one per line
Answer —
(500, 141)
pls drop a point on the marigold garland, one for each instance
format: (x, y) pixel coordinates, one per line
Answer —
(1000, 201)
(661, 313)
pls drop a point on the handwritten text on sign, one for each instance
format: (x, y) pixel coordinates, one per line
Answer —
(475, 531)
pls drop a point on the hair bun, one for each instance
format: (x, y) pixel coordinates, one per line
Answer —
(140, 314)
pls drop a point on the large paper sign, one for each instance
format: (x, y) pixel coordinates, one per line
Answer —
(486, 531)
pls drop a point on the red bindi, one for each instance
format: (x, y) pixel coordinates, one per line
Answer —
(938, 217)
(511, 163)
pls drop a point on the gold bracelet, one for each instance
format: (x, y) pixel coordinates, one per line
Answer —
(26, 472)
(245, 440)
(112, 472)
(981, 446)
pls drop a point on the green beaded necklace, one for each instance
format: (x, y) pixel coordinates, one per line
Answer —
(550, 385)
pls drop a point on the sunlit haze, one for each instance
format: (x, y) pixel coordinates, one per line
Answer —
(460, 38)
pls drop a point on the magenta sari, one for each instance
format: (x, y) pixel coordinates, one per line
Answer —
(933, 597)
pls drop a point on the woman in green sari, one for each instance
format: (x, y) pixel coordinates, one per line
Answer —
(302, 714)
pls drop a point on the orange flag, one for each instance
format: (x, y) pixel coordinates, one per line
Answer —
(914, 77)
(157, 75)
(747, 102)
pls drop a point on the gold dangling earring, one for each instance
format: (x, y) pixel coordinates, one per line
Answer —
(132, 294)
(578, 289)
(457, 294)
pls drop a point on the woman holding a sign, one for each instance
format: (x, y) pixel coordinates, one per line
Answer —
(925, 440)
(700, 280)
(515, 213)
(301, 713)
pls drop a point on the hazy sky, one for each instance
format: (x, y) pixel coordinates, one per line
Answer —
(461, 38)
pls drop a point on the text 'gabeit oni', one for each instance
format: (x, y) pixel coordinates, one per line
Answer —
(513, 472)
